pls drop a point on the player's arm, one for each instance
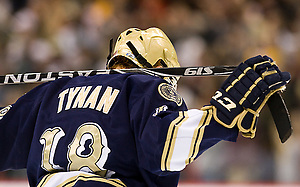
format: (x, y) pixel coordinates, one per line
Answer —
(235, 107)
(17, 123)
(168, 135)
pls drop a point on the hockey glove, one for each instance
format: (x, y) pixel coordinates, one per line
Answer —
(244, 93)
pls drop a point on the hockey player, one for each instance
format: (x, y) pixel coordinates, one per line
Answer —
(129, 129)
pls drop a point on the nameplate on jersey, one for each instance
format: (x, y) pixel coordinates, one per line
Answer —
(169, 93)
(87, 97)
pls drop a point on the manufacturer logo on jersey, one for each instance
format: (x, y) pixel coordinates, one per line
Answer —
(169, 93)
(3, 111)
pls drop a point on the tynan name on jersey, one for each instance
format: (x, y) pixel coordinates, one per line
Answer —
(87, 97)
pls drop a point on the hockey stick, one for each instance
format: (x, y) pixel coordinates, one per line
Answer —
(281, 116)
(161, 72)
(276, 103)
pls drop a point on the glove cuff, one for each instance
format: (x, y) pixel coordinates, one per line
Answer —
(215, 113)
(247, 123)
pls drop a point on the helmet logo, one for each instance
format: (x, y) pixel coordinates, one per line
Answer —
(130, 55)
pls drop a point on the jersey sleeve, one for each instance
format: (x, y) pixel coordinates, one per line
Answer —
(168, 135)
(16, 129)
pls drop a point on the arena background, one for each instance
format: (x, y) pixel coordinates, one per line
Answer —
(41, 36)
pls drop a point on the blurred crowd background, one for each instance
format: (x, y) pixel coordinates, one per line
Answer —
(56, 35)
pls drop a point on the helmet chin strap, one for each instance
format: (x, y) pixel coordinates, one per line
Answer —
(138, 56)
(145, 63)
(110, 50)
(142, 61)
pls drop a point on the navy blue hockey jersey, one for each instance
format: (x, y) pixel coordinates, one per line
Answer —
(105, 130)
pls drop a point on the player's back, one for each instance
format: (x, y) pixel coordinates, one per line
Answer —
(92, 124)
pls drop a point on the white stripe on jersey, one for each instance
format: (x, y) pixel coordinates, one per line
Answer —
(184, 138)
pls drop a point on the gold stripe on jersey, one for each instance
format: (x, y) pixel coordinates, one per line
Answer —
(81, 177)
(174, 138)
(170, 141)
(84, 177)
(198, 135)
(44, 180)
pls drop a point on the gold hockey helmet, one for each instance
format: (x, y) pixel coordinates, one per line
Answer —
(145, 48)
(151, 44)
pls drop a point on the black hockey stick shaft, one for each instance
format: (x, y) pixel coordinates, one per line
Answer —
(276, 103)
(162, 72)
(281, 116)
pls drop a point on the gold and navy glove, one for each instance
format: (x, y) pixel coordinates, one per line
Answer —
(244, 93)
